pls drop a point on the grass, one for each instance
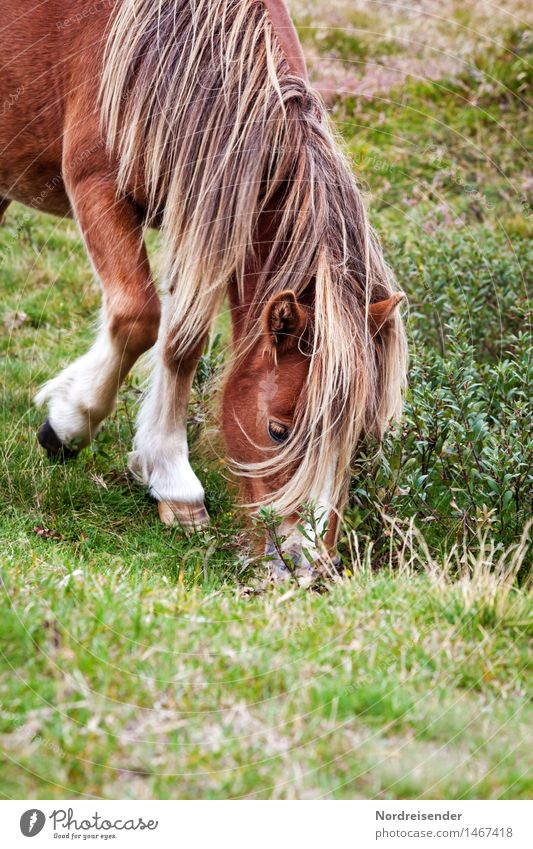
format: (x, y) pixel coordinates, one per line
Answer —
(138, 661)
(125, 682)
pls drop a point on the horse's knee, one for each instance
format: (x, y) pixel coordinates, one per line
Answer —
(180, 357)
(135, 329)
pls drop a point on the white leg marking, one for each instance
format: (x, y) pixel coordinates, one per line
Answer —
(84, 393)
(160, 458)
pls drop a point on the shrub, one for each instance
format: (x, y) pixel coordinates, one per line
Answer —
(461, 460)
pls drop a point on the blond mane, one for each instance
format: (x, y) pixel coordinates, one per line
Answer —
(198, 97)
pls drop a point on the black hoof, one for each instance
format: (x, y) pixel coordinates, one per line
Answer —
(53, 446)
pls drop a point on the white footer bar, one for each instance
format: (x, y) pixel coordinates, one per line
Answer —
(267, 825)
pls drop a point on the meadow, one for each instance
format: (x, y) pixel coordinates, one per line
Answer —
(139, 661)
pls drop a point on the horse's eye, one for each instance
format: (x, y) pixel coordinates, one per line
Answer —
(278, 432)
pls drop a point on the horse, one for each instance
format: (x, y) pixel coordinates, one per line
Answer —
(197, 117)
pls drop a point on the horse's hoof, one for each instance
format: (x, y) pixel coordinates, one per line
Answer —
(53, 446)
(178, 513)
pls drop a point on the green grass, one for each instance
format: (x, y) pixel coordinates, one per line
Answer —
(138, 661)
(122, 682)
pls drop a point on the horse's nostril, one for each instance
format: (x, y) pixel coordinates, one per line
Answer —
(294, 555)
(289, 560)
(277, 567)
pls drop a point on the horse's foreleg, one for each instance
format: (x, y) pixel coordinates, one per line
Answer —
(4, 203)
(161, 456)
(82, 395)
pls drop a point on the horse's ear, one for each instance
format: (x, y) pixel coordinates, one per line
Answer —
(380, 312)
(284, 321)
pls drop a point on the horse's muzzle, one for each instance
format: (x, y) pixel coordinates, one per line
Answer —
(296, 556)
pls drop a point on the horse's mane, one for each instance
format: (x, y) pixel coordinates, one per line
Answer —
(198, 94)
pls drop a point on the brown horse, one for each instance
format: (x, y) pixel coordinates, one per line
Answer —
(196, 117)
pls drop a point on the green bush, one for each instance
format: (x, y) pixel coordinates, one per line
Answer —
(461, 460)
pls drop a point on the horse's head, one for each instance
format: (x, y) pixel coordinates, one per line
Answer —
(265, 402)
(256, 198)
